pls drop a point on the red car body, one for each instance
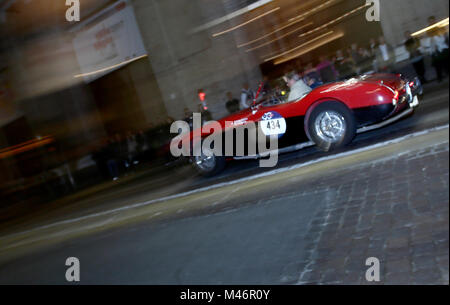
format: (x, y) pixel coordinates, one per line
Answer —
(368, 102)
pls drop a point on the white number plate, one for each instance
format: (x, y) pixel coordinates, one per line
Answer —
(273, 127)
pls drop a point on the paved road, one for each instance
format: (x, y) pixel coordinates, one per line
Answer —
(279, 229)
(315, 224)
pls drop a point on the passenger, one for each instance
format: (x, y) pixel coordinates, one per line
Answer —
(298, 87)
(311, 77)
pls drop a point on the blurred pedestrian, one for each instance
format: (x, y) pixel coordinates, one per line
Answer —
(373, 47)
(356, 57)
(385, 56)
(100, 158)
(132, 149)
(416, 57)
(188, 117)
(123, 152)
(365, 63)
(112, 154)
(247, 96)
(141, 147)
(232, 103)
(206, 115)
(439, 49)
(344, 66)
(326, 70)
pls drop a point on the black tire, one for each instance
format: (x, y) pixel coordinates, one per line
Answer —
(342, 118)
(219, 165)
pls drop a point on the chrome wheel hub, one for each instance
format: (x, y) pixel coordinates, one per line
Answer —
(330, 126)
(204, 162)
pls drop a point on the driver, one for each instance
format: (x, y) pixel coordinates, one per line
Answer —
(297, 85)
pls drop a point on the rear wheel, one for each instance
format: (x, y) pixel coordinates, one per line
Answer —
(208, 165)
(331, 125)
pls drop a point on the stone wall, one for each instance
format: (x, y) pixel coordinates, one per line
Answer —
(184, 61)
(398, 16)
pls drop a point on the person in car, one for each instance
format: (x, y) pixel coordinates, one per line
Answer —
(311, 77)
(297, 86)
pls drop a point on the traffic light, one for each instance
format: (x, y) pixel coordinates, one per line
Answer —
(201, 95)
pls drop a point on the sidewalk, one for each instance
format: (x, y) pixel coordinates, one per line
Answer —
(396, 210)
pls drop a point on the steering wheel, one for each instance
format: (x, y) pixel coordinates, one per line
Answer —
(273, 100)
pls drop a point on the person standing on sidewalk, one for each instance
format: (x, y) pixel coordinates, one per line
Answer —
(385, 56)
(132, 149)
(344, 66)
(326, 70)
(415, 56)
(111, 154)
(232, 104)
(439, 49)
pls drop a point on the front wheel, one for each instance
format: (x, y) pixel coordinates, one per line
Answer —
(331, 125)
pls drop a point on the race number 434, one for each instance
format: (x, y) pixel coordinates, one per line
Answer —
(272, 123)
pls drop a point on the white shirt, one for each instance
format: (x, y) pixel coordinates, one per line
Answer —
(384, 52)
(425, 45)
(245, 97)
(430, 44)
(438, 43)
(298, 90)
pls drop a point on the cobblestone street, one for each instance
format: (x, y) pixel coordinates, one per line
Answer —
(395, 210)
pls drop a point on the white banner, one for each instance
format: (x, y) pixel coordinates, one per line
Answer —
(107, 41)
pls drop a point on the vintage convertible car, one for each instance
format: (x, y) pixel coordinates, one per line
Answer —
(329, 116)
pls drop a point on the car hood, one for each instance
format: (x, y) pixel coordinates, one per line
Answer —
(394, 81)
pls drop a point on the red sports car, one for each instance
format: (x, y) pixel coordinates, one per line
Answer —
(329, 116)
